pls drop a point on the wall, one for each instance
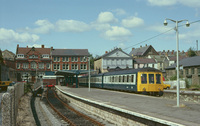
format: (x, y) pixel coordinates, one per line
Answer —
(10, 101)
(98, 64)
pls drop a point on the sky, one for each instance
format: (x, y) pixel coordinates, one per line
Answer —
(98, 25)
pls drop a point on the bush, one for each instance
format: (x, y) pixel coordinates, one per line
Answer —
(187, 84)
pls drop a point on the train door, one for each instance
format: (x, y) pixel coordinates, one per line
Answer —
(142, 82)
(151, 82)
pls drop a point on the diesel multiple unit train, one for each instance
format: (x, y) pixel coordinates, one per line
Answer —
(143, 80)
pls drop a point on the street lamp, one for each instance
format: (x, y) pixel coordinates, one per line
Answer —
(177, 54)
(89, 73)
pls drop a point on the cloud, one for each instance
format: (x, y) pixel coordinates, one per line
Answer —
(162, 2)
(44, 26)
(189, 3)
(117, 34)
(71, 26)
(8, 35)
(132, 22)
(101, 27)
(106, 17)
(120, 12)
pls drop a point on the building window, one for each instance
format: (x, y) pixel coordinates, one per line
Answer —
(83, 59)
(33, 65)
(198, 70)
(65, 59)
(20, 55)
(18, 65)
(45, 56)
(85, 67)
(56, 59)
(186, 71)
(25, 65)
(48, 66)
(81, 66)
(65, 67)
(74, 59)
(41, 65)
(192, 70)
(56, 66)
(72, 66)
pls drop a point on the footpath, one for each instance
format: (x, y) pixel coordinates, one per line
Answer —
(161, 108)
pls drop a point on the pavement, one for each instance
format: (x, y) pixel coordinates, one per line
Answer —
(157, 107)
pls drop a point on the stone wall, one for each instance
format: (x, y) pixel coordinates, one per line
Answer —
(10, 101)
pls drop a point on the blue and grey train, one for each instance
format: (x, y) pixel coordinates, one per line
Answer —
(142, 80)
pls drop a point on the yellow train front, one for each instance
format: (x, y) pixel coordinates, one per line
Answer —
(143, 80)
(149, 81)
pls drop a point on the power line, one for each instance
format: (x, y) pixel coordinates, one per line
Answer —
(158, 35)
(149, 38)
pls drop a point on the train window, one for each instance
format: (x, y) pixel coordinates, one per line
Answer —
(113, 79)
(123, 79)
(127, 78)
(119, 78)
(144, 78)
(158, 79)
(151, 78)
(132, 78)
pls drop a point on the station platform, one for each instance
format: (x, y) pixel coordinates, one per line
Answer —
(187, 114)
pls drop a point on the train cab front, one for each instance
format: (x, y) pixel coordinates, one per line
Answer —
(150, 83)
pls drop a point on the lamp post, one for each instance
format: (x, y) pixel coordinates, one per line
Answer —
(177, 54)
(89, 75)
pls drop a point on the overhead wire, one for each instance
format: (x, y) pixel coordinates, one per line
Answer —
(157, 35)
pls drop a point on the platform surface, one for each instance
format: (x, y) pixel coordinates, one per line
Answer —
(188, 114)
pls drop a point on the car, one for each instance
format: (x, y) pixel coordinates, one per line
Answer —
(166, 86)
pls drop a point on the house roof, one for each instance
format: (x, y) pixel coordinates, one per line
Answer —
(70, 52)
(25, 50)
(144, 60)
(111, 52)
(8, 55)
(187, 62)
(173, 58)
(140, 51)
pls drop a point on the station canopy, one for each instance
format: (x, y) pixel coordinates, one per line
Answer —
(71, 72)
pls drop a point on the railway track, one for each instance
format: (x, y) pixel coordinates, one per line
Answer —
(70, 115)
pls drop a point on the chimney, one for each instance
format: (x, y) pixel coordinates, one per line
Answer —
(42, 46)
(133, 49)
(17, 45)
(183, 51)
(172, 51)
(106, 52)
(163, 51)
(51, 48)
(26, 46)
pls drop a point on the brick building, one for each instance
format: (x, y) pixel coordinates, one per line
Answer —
(70, 59)
(33, 62)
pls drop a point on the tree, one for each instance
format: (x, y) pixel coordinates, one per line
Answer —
(1, 57)
(191, 52)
